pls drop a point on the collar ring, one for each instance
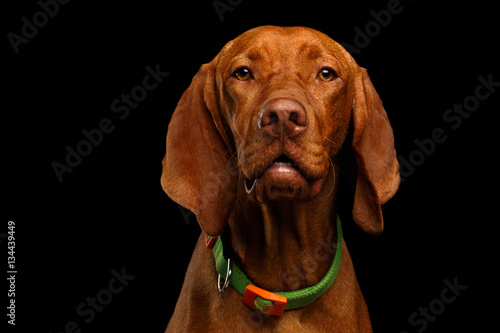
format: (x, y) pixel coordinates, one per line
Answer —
(228, 277)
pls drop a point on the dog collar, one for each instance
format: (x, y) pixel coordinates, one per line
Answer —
(273, 303)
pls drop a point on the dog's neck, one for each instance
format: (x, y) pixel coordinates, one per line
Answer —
(285, 245)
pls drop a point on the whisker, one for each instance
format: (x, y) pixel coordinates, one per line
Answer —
(328, 139)
(334, 177)
(229, 149)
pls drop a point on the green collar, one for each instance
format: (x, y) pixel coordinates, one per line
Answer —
(265, 301)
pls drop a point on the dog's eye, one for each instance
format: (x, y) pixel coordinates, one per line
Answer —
(243, 74)
(327, 74)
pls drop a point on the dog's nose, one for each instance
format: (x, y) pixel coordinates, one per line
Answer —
(283, 117)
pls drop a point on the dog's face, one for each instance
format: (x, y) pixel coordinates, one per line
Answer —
(287, 96)
(280, 102)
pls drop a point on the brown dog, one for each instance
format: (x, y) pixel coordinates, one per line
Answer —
(253, 144)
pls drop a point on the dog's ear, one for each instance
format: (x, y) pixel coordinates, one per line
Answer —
(373, 142)
(197, 170)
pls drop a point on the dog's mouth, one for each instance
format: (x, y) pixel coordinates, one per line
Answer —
(280, 167)
(282, 179)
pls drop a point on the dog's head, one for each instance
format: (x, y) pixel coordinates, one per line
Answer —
(272, 111)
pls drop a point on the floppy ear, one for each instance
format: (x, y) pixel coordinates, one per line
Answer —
(373, 143)
(197, 171)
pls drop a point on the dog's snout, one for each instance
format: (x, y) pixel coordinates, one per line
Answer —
(283, 117)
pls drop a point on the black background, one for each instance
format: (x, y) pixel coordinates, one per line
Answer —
(111, 213)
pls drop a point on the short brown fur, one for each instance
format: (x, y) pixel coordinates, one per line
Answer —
(282, 239)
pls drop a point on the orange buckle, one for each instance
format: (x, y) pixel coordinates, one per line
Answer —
(276, 309)
(209, 242)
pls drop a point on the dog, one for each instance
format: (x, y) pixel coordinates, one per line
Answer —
(253, 149)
